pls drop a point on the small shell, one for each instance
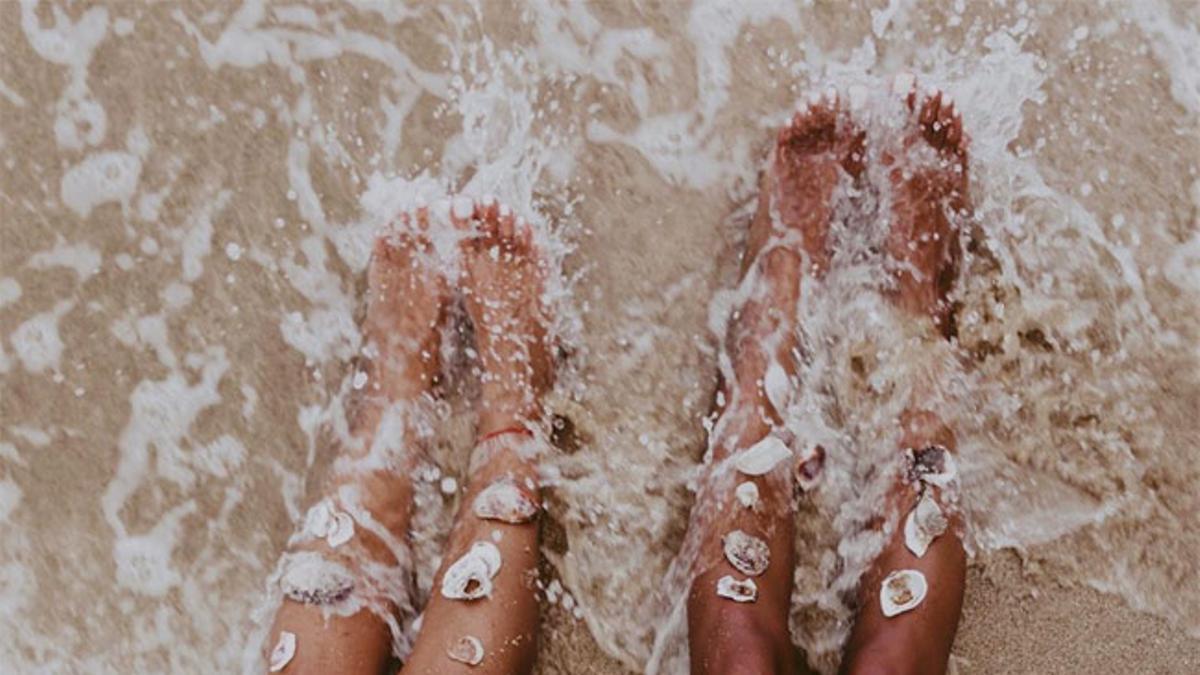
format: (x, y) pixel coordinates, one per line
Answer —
(746, 552)
(467, 649)
(747, 494)
(283, 652)
(506, 502)
(449, 485)
(924, 523)
(932, 464)
(778, 387)
(470, 577)
(341, 530)
(901, 591)
(315, 581)
(761, 457)
(810, 469)
(739, 591)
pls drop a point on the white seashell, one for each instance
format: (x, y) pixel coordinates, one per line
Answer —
(761, 457)
(283, 652)
(901, 591)
(341, 530)
(738, 591)
(449, 485)
(504, 501)
(316, 581)
(746, 552)
(470, 577)
(467, 649)
(778, 387)
(932, 465)
(924, 523)
(747, 494)
(810, 469)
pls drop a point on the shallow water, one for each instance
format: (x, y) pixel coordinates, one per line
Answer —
(188, 195)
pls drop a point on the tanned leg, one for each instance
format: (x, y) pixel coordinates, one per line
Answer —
(786, 242)
(502, 286)
(370, 478)
(929, 187)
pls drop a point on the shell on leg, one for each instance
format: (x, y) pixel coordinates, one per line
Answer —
(761, 457)
(747, 495)
(470, 577)
(902, 591)
(467, 649)
(283, 652)
(747, 553)
(737, 590)
(505, 502)
(924, 524)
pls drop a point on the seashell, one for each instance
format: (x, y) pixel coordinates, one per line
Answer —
(761, 457)
(470, 577)
(924, 523)
(341, 530)
(504, 501)
(932, 464)
(901, 591)
(283, 652)
(316, 581)
(739, 591)
(746, 552)
(466, 649)
(747, 494)
(810, 469)
(448, 485)
(778, 387)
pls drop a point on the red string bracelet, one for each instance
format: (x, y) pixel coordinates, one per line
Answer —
(507, 430)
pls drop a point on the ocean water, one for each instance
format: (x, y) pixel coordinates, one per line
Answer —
(188, 193)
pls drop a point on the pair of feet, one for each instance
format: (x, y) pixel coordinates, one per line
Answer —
(501, 281)
(347, 576)
(742, 527)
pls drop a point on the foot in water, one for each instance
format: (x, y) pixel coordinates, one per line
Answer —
(741, 530)
(360, 527)
(929, 183)
(502, 285)
(929, 187)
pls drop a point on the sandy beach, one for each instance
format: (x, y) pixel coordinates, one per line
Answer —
(188, 192)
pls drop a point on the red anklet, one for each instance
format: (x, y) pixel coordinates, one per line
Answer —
(507, 430)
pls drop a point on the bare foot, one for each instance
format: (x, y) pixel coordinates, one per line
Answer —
(929, 180)
(930, 200)
(811, 154)
(502, 286)
(357, 534)
(795, 210)
(754, 513)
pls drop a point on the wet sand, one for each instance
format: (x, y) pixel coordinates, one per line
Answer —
(186, 196)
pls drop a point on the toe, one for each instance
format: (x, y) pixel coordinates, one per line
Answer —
(929, 109)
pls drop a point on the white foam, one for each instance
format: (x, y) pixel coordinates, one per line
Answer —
(36, 341)
(10, 497)
(81, 257)
(144, 561)
(10, 291)
(101, 178)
